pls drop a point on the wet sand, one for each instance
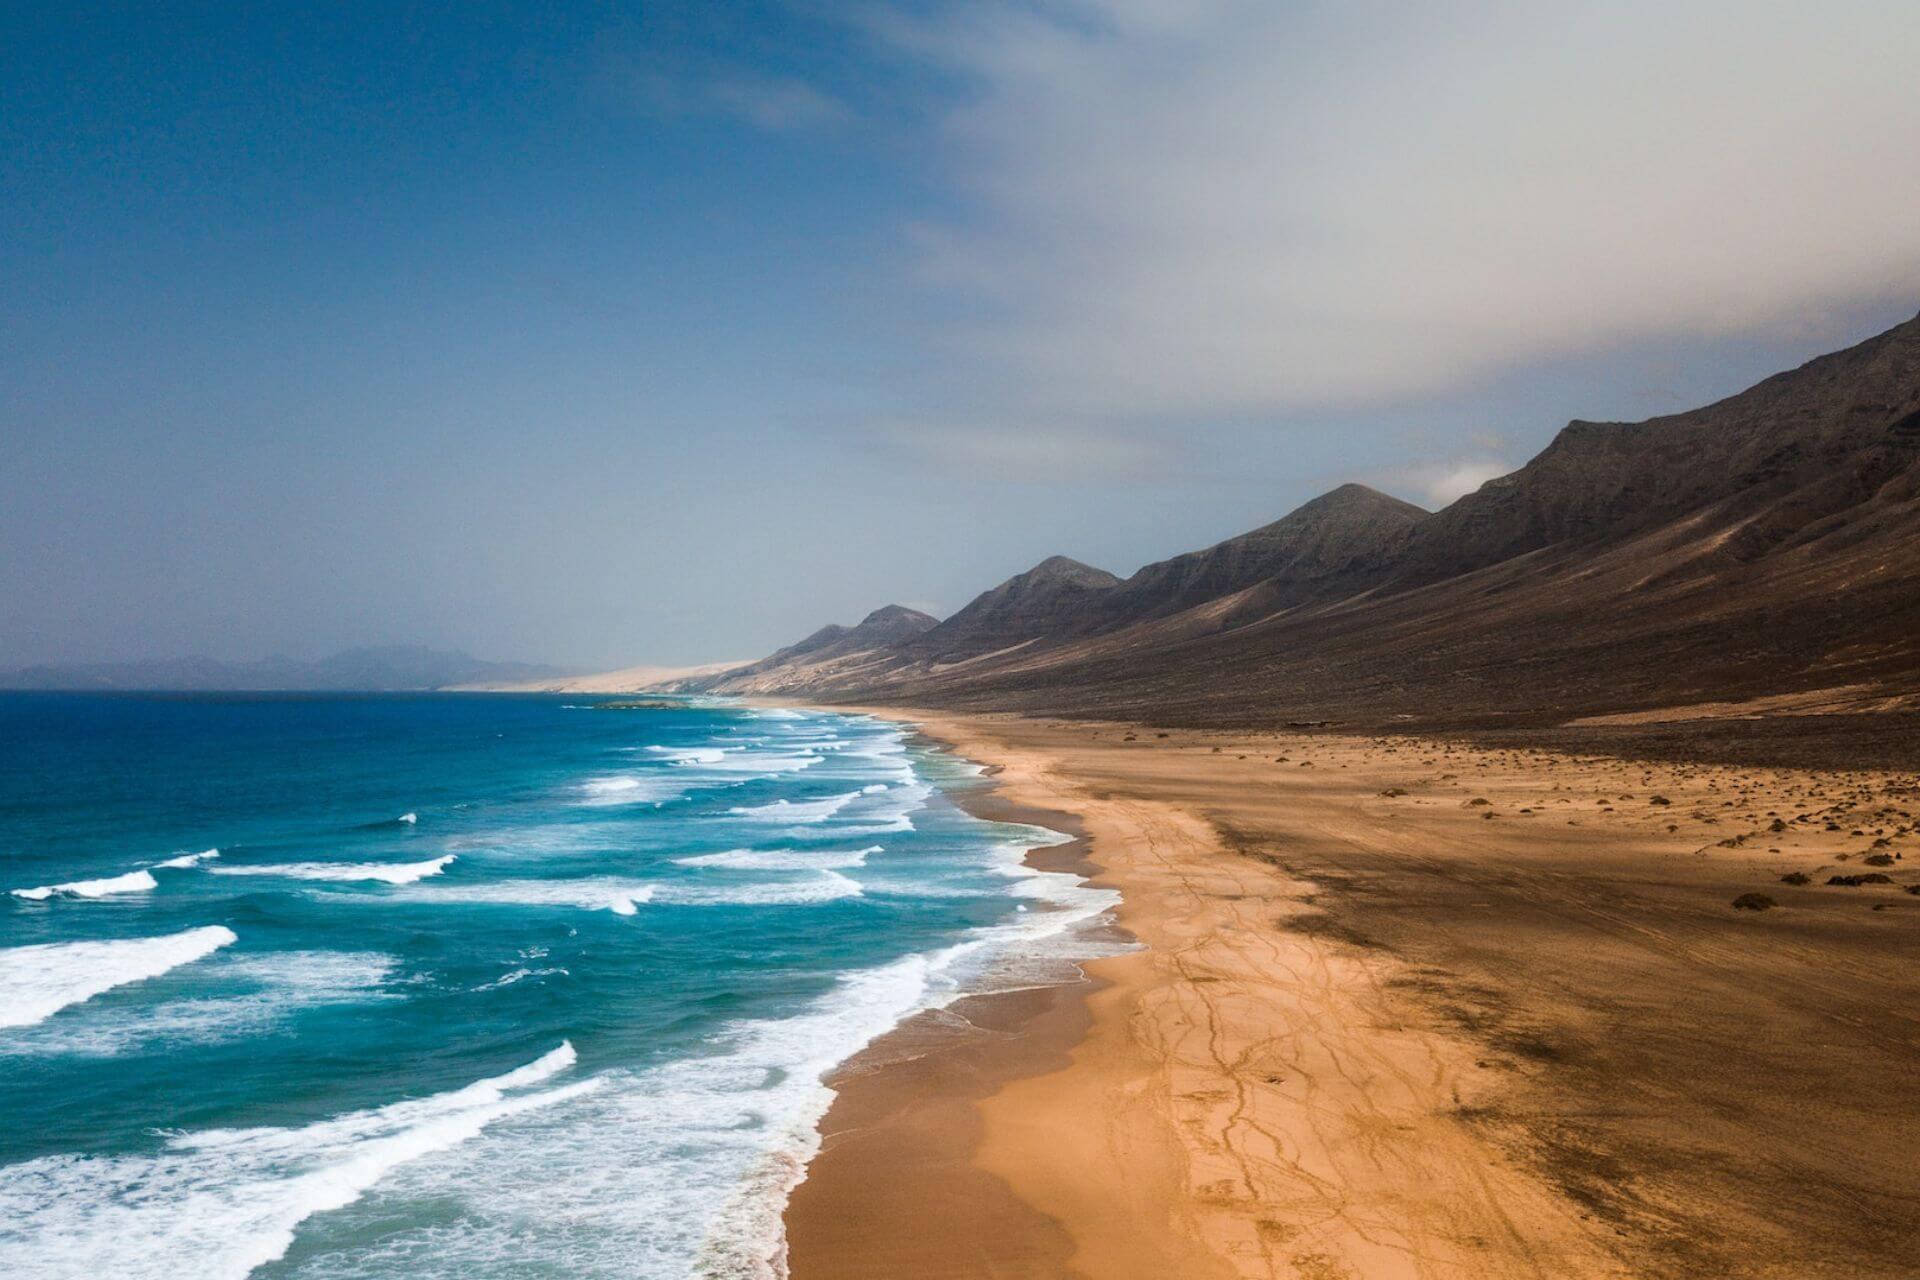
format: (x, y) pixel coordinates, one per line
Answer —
(895, 1190)
(1377, 1032)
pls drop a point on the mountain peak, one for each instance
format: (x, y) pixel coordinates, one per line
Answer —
(1067, 571)
(1358, 499)
(1047, 600)
(1793, 450)
(1328, 547)
(897, 616)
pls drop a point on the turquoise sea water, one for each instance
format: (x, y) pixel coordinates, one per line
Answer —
(463, 986)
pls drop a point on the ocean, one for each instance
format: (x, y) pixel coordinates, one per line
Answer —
(465, 985)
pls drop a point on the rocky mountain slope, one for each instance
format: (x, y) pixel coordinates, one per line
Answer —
(833, 655)
(1341, 543)
(1055, 597)
(1766, 547)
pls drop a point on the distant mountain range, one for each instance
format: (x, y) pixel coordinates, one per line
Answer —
(1766, 547)
(391, 669)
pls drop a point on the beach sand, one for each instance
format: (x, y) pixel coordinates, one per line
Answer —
(1381, 1029)
(625, 680)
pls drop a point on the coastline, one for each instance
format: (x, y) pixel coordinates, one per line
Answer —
(901, 1135)
(1375, 1032)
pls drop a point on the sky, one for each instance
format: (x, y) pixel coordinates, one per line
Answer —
(609, 333)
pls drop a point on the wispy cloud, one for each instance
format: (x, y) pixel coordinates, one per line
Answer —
(1023, 453)
(776, 105)
(1240, 207)
(772, 103)
(1442, 482)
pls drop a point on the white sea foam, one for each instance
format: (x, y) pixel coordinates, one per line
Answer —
(186, 860)
(784, 859)
(802, 811)
(345, 872)
(1045, 942)
(856, 831)
(38, 981)
(711, 1145)
(707, 1148)
(519, 975)
(408, 818)
(685, 770)
(261, 991)
(623, 898)
(693, 755)
(633, 788)
(680, 1170)
(131, 882)
(900, 801)
(217, 1204)
(767, 764)
(745, 1236)
(749, 761)
(878, 813)
(823, 886)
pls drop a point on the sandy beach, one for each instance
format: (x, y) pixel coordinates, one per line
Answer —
(1407, 1008)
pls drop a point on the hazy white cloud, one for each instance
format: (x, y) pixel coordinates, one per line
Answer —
(777, 105)
(1237, 206)
(1034, 453)
(1437, 484)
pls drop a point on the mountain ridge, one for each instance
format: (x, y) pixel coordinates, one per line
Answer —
(1018, 610)
(375, 669)
(1765, 544)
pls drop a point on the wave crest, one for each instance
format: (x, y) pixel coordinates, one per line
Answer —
(131, 882)
(223, 1202)
(38, 981)
(345, 872)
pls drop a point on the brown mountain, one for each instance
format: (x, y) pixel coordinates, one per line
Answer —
(1055, 597)
(833, 655)
(1332, 547)
(1340, 543)
(1761, 551)
(1772, 461)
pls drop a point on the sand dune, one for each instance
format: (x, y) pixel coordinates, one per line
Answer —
(626, 680)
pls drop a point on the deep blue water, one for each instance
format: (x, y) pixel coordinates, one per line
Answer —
(462, 985)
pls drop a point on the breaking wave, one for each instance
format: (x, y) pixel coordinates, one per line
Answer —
(37, 982)
(131, 882)
(784, 859)
(219, 1203)
(345, 872)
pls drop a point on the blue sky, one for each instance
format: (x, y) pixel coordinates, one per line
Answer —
(614, 333)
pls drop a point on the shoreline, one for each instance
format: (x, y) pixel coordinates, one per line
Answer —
(901, 1133)
(1412, 1008)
